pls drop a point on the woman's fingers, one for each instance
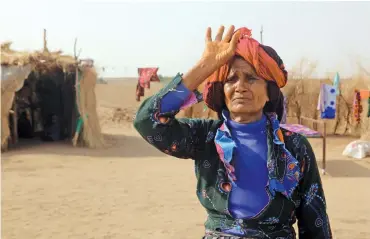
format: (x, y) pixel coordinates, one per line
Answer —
(208, 35)
(231, 38)
(229, 34)
(220, 33)
(234, 41)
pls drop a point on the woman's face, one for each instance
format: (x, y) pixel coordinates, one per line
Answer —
(245, 92)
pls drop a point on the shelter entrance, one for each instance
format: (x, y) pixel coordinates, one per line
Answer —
(44, 108)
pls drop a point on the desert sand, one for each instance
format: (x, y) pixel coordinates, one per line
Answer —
(52, 190)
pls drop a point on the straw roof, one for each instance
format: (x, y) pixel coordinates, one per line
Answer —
(49, 61)
(39, 59)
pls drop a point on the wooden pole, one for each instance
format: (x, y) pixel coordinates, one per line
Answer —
(45, 42)
(324, 150)
(74, 48)
(261, 33)
(75, 137)
(15, 122)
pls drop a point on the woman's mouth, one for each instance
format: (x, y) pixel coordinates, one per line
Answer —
(240, 99)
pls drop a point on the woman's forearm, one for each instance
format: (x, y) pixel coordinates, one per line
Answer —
(164, 131)
(173, 100)
(196, 75)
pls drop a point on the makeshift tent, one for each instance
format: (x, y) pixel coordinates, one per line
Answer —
(146, 75)
(48, 95)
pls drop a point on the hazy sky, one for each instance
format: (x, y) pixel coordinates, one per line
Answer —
(123, 35)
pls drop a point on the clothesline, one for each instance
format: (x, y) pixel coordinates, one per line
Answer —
(328, 99)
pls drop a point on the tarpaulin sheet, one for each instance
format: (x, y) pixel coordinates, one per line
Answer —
(12, 77)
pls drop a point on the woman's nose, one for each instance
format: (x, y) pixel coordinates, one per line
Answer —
(241, 85)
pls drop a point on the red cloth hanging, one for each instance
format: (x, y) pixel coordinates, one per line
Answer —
(146, 75)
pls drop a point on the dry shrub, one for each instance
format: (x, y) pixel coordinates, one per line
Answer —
(124, 115)
(91, 133)
(364, 79)
(304, 99)
(302, 92)
(41, 61)
(109, 114)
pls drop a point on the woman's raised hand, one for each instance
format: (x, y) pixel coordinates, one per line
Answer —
(219, 51)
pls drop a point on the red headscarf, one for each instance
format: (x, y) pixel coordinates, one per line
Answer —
(264, 59)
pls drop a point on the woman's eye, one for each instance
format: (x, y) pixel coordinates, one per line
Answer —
(252, 80)
(232, 78)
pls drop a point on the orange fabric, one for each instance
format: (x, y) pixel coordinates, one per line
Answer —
(364, 94)
(250, 50)
(280, 135)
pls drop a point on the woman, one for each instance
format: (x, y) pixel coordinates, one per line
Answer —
(254, 180)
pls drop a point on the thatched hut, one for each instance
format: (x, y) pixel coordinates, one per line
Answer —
(48, 95)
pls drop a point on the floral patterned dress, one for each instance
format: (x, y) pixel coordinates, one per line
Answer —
(294, 183)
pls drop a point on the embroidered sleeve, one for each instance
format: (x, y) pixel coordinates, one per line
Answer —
(181, 138)
(313, 221)
(180, 98)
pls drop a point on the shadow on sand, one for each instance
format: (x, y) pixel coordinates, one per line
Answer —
(119, 146)
(136, 147)
(347, 168)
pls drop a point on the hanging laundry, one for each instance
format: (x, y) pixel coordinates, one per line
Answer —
(357, 107)
(146, 75)
(364, 94)
(327, 101)
(336, 83)
(139, 91)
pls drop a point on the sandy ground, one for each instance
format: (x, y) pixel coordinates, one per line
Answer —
(127, 190)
